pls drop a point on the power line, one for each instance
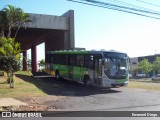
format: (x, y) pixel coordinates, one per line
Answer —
(123, 7)
(148, 3)
(131, 5)
(141, 12)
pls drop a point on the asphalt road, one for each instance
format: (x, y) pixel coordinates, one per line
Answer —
(119, 99)
(80, 98)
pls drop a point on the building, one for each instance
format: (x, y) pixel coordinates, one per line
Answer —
(135, 60)
(56, 32)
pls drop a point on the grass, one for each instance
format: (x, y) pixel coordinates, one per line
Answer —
(25, 86)
(27, 73)
(142, 84)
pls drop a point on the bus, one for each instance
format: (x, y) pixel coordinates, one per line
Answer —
(92, 68)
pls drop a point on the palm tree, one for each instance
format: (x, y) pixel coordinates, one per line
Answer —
(22, 19)
(11, 17)
(3, 22)
(14, 18)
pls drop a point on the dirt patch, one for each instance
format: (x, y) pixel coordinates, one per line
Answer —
(26, 108)
(34, 104)
(38, 103)
(42, 100)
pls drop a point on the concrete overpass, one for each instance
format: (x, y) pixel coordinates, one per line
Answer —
(57, 32)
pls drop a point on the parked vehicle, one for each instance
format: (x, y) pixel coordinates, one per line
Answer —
(141, 75)
(130, 76)
(157, 77)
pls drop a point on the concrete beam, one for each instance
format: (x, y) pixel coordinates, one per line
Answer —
(45, 27)
(48, 22)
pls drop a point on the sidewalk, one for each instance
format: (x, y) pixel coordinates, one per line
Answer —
(4, 102)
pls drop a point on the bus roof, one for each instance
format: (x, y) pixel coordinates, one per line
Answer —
(81, 52)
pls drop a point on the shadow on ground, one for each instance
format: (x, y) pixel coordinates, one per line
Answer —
(51, 86)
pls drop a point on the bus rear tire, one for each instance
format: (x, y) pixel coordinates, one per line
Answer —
(87, 81)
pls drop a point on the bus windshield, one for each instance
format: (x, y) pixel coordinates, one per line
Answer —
(116, 68)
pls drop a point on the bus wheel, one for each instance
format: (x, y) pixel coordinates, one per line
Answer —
(87, 81)
(57, 74)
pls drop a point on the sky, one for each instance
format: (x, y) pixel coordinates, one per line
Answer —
(101, 28)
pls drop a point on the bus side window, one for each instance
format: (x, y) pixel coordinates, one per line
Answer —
(80, 60)
(66, 60)
(89, 61)
(48, 58)
(71, 60)
(53, 59)
(74, 60)
(57, 59)
(63, 59)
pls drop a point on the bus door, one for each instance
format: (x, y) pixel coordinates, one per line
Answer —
(98, 70)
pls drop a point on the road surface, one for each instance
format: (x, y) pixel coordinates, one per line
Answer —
(115, 99)
(79, 98)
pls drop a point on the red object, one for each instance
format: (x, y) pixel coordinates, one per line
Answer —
(25, 67)
(34, 58)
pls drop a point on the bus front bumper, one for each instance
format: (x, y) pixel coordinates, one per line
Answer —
(119, 85)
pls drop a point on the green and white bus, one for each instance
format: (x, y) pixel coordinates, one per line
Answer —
(92, 68)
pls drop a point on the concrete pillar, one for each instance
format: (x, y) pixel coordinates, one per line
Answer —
(71, 31)
(25, 67)
(69, 35)
(34, 58)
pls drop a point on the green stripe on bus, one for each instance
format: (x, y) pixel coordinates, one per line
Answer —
(121, 80)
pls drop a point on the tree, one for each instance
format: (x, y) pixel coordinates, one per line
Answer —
(12, 17)
(3, 22)
(41, 64)
(22, 19)
(145, 66)
(134, 69)
(10, 58)
(156, 64)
